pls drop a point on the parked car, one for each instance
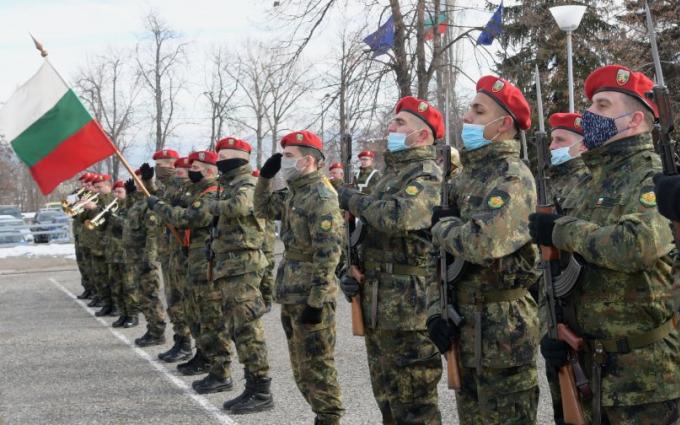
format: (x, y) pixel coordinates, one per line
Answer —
(50, 224)
(14, 231)
(12, 210)
(53, 206)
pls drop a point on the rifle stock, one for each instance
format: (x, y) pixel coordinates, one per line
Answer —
(357, 317)
(571, 406)
(453, 368)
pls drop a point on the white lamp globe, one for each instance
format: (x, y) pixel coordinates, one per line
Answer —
(569, 17)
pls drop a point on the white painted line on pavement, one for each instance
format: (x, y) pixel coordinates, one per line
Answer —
(215, 412)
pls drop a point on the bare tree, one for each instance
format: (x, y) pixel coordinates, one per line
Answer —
(110, 87)
(220, 92)
(160, 73)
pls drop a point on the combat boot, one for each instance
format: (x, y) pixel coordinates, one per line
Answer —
(172, 350)
(120, 322)
(212, 384)
(94, 302)
(182, 350)
(114, 311)
(256, 397)
(105, 311)
(196, 366)
(86, 295)
(131, 321)
(147, 340)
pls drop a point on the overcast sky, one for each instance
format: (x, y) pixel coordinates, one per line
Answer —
(72, 30)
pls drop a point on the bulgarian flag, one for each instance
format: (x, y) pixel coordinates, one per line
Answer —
(50, 130)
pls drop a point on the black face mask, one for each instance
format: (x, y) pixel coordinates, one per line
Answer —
(227, 165)
(195, 176)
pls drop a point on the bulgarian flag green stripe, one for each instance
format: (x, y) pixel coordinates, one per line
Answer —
(51, 131)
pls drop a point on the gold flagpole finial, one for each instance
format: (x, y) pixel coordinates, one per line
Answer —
(39, 46)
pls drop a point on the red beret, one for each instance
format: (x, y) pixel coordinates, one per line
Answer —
(119, 183)
(621, 79)
(165, 154)
(183, 163)
(233, 143)
(335, 165)
(426, 112)
(101, 178)
(207, 157)
(85, 177)
(508, 97)
(302, 138)
(566, 121)
(256, 173)
(138, 172)
(91, 178)
(368, 154)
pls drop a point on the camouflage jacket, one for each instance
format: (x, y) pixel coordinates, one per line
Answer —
(612, 222)
(311, 231)
(115, 252)
(564, 178)
(396, 254)
(140, 234)
(495, 193)
(362, 181)
(196, 219)
(96, 238)
(238, 241)
(167, 190)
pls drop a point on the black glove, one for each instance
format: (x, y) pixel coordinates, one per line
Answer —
(667, 191)
(442, 333)
(146, 171)
(349, 286)
(554, 352)
(271, 166)
(541, 227)
(439, 212)
(311, 315)
(344, 195)
(130, 186)
(151, 201)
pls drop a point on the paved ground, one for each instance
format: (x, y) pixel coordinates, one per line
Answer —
(61, 365)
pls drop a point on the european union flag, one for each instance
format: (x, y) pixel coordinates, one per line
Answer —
(382, 40)
(493, 28)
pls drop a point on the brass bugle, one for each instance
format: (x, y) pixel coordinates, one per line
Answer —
(65, 202)
(99, 218)
(79, 206)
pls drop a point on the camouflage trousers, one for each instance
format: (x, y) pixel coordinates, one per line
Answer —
(238, 321)
(311, 349)
(100, 277)
(267, 283)
(83, 266)
(405, 368)
(174, 270)
(124, 289)
(196, 305)
(661, 413)
(149, 298)
(506, 396)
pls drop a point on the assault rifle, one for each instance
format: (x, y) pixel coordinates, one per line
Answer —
(571, 404)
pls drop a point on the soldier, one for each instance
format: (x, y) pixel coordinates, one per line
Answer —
(486, 225)
(87, 241)
(367, 176)
(129, 293)
(140, 237)
(622, 305)
(306, 285)
(196, 219)
(80, 259)
(336, 174)
(397, 266)
(267, 283)
(566, 146)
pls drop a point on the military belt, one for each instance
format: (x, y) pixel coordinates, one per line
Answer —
(476, 297)
(199, 244)
(400, 269)
(626, 344)
(298, 256)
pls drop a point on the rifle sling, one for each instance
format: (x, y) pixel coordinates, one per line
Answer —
(626, 344)
(475, 298)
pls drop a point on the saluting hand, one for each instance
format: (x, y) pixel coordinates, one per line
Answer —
(271, 166)
(130, 186)
(146, 171)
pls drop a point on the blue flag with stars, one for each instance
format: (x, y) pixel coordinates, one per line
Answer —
(382, 40)
(493, 28)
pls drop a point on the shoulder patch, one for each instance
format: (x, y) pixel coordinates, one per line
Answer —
(495, 202)
(413, 189)
(326, 225)
(152, 218)
(196, 204)
(648, 199)
(497, 199)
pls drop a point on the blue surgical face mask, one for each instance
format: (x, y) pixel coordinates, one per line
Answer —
(560, 156)
(597, 129)
(397, 141)
(473, 135)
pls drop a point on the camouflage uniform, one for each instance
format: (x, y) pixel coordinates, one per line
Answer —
(239, 264)
(311, 233)
(140, 237)
(623, 301)
(80, 258)
(123, 286)
(96, 242)
(366, 179)
(267, 284)
(196, 219)
(397, 259)
(495, 193)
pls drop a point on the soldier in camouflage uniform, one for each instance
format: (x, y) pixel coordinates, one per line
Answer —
(368, 175)
(397, 266)
(336, 174)
(267, 283)
(89, 291)
(486, 224)
(87, 241)
(196, 219)
(140, 238)
(306, 285)
(622, 305)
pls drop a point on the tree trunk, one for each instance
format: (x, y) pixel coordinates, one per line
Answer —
(401, 65)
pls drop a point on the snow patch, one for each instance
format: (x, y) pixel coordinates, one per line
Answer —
(66, 250)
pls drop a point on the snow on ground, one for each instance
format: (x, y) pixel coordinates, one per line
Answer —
(43, 250)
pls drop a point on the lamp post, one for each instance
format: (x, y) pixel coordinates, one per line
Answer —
(323, 113)
(568, 19)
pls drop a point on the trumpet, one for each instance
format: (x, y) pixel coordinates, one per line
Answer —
(65, 203)
(99, 218)
(79, 207)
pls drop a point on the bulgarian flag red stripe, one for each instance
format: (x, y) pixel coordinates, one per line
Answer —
(51, 131)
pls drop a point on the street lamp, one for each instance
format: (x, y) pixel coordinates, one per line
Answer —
(568, 19)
